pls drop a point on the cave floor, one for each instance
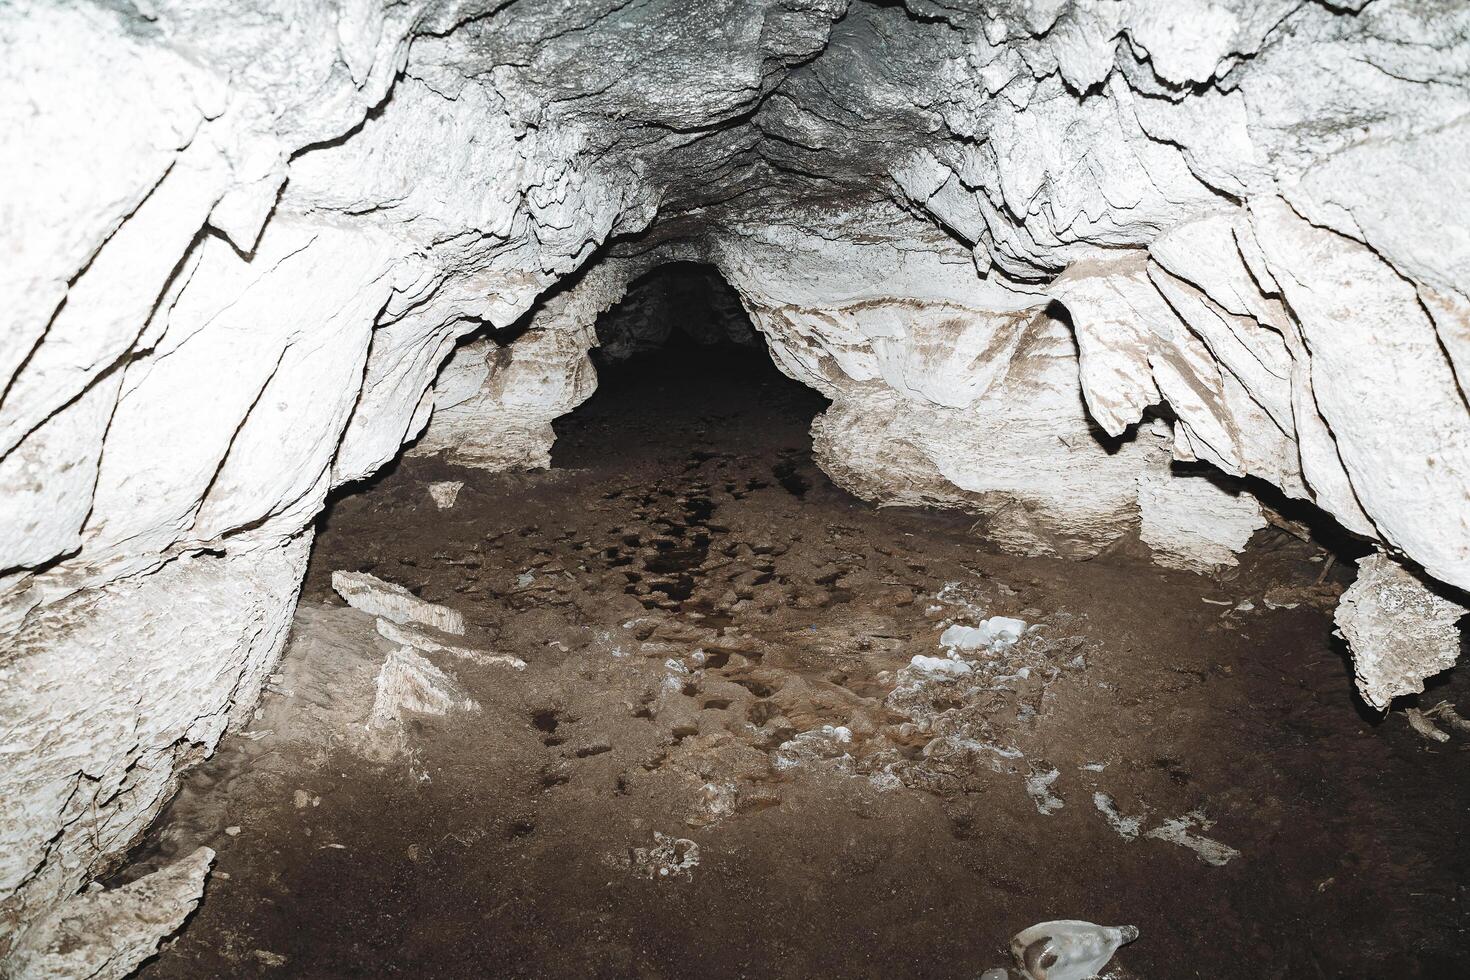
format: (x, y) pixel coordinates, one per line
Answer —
(716, 762)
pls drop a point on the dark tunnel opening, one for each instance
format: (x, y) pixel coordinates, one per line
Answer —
(682, 372)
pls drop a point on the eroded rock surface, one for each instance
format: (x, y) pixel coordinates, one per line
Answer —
(1400, 630)
(105, 933)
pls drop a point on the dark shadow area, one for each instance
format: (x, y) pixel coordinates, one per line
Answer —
(679, 305)
(682, 371)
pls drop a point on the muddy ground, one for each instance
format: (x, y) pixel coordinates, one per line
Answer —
(717, 763)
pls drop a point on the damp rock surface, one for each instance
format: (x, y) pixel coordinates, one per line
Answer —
(719, 734)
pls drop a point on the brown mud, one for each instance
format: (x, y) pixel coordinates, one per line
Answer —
(717, 762)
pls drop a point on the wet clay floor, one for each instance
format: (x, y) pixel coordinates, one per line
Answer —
(719, 762)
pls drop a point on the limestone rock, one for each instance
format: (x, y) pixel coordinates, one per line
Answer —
(1400, 631)
(407, 683)
(493, 404)
(423, 641)
(106, 694)
(378, 598)
(106, 934)
(445, 493)
(1193, 522)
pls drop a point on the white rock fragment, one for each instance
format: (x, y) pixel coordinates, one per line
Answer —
(1424, 726)
(1398, 630)
(940, 665)
(378, 598)
(1038, 787)
(268, 958)
(997, 632)
(669, 857)
(1068, 949)
(445, 493)
(716, 801)
(1181, 831)
(408, 683)
(105, 934)
(1127, 828)
(422, 640)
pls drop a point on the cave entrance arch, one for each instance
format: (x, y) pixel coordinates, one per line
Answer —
(699, 436)
(678, 304)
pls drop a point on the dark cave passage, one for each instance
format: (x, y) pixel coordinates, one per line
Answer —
(675, 305)
(680, 371)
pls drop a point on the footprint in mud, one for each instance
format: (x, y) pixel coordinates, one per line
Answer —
(520, 827)
(791, 479)
(547, 721)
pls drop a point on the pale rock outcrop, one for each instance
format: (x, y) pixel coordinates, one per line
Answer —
(409, 684)
(1400, 631)
(493, 404)
(959, 392)
(110, 692)
(104, 934)
(393, 602)
(1240, 182)
(494, 401)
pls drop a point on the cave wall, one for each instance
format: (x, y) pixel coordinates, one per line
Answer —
(948, 390)
(957, 391)
(239, 240)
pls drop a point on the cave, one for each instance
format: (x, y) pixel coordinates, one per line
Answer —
(797, 488)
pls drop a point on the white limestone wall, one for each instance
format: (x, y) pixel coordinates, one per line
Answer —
(956, 391)
(219, 308)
